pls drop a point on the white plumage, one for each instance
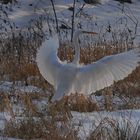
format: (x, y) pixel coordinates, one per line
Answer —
(70, 78)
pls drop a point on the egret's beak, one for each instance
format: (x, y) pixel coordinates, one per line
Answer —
(87, 32)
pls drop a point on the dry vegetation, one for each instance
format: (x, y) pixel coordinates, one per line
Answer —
(110, 129)
(45, 128)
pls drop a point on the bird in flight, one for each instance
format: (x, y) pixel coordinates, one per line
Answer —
(70, 78)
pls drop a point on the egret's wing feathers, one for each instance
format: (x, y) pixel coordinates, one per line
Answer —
(47, 60)
(104, 72)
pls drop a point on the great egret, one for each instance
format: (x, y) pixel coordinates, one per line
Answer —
(70, 78)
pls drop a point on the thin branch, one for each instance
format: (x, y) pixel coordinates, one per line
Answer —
(56, 20)
(73, 20)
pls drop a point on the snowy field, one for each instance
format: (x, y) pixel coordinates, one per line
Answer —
(109, 16)
(88, 122)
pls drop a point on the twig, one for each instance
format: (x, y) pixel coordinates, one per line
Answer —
(56, 20)
(73, 15)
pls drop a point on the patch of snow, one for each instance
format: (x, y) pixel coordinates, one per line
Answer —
(7, 138)
(93, 17)
(6, 86)
(87, 122)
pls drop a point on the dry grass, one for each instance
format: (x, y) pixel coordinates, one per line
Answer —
(110, 129)
(51, 125)
(31, 129)
(80, 103)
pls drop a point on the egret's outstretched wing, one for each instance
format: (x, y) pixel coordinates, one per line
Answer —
(47, 60)
(104, 72)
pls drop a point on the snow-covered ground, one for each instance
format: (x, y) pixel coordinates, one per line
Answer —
(88, 122)
(18, 86)
(85, 123)
(109, 15)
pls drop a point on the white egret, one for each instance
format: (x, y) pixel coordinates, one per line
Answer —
(70, 78)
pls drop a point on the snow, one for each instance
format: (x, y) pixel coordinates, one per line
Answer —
(6, 86)
(8, 138)
(24, 11)
(5, 138)
(93, 17)
(87, 122)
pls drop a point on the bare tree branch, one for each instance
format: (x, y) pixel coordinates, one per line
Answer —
(72, 30)
(56, 20)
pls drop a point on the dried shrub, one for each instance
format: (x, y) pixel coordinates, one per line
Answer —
(111, 129)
